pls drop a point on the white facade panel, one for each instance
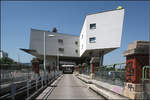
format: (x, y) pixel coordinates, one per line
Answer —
(52, 43)
(83, 38)
(108, 29)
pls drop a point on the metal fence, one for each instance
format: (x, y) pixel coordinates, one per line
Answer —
(18, 79)
(113, 74)
(146, 82)
(14, 74)
(111, 77)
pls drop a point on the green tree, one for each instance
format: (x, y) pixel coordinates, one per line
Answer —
(6, 60)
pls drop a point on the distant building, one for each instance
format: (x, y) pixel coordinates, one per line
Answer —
(101, 33)
(3, 54)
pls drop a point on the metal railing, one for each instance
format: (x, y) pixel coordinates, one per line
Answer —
(113, 74)
(21, 82)
(146, 82)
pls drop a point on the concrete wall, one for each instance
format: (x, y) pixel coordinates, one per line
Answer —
(52, 44)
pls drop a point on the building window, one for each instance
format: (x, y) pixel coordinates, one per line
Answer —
(76, 42)
(61, 50)
(82, 36)
(93, 26)
(60, 41)
(82, 46)
(76, 51)
(92, 39)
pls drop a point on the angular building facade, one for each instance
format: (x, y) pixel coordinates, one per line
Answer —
(100, 34)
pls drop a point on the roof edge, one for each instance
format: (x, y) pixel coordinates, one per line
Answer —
(55, 32)
(104, 11)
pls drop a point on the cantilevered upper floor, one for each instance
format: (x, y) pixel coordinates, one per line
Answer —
(100, 34)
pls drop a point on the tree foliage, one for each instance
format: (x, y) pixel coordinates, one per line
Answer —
(6, 60)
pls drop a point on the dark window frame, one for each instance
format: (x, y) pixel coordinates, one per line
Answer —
(76, 42)
(93, 26)
(61, 50)
(76, 51)
(60, 41)
(92, 40)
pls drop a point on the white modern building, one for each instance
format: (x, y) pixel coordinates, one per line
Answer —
(101, 33)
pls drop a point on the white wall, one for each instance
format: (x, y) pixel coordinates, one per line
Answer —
(52, 45)
(83, 38)
(108, 29)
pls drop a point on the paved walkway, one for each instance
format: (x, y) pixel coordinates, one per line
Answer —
(70, 87)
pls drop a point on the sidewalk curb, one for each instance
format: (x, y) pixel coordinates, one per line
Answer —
(108, 94)
(85, 80)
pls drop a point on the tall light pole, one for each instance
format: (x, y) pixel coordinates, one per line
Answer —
(45, 51)
(57, 59)
(58, 56)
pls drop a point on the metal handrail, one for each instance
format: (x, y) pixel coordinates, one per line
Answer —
(24, 88)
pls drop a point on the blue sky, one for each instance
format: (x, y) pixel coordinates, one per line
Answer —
(18, 17)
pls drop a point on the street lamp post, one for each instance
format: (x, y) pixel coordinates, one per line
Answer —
(44, 58)
(45, 51)
(57, 59)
